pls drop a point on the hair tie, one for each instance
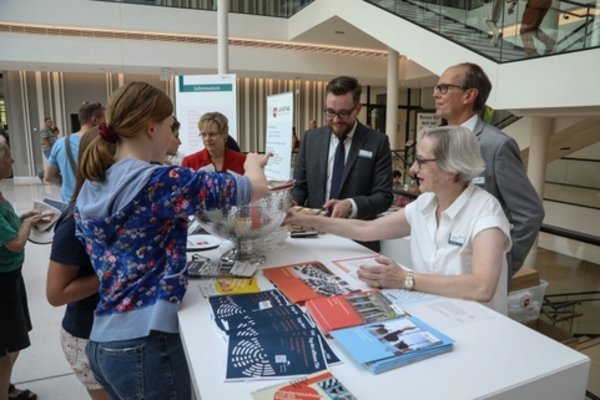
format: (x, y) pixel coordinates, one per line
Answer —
(107, 134)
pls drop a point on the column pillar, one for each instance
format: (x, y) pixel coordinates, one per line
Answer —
(595, 27)
(222, 37)
(541, 129)
(391, 112)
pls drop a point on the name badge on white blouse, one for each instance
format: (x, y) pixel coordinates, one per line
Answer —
(456, 240)
(365, 154)
(479, 180)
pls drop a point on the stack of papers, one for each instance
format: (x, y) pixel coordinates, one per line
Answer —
(269, 338)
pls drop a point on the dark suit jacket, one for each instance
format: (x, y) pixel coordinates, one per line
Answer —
(367, 175)
(506, 179)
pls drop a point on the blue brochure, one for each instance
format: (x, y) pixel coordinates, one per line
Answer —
(389, 344)
(275, 356)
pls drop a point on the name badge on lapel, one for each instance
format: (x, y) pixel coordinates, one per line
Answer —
(365, 154)
(456, 240)
(479, 180)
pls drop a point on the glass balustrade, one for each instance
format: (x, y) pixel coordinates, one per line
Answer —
(506, 30)
(269, 8)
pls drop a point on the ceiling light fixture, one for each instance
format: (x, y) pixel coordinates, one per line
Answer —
(103, 33)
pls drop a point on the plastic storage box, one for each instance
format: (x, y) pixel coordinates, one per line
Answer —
(524, 305)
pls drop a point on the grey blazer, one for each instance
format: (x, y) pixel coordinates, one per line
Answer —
(506, 179)
(367, 175)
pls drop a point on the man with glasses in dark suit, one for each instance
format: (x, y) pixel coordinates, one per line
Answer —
(460, 95)
(344, 167)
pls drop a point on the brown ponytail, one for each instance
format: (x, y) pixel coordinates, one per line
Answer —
(129, 112)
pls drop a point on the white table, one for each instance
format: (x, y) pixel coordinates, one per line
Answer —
(494, 357)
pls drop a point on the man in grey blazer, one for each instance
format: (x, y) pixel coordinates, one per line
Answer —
(365, 189)
(460, 95)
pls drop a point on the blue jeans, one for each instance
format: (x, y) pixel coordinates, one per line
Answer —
(152, 367)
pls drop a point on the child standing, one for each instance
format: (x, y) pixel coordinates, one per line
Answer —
(132, 213)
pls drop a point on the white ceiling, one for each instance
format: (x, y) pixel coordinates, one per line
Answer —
(337, 32)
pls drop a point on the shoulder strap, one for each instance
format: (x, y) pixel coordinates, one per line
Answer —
(70, 154)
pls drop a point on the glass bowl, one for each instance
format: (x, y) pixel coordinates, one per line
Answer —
(253, 228)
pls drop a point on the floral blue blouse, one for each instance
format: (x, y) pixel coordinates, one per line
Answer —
(137, 241)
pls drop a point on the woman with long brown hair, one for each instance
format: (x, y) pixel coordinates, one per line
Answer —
(132, 213)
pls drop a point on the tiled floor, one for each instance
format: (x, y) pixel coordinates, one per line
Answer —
(43, 369)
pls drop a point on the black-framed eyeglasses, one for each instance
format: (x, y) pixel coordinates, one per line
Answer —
(342, 114)
(421, 161)
(443, 87)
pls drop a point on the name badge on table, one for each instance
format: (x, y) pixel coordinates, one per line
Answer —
(365, 154)
(479, 180)
(456, 240)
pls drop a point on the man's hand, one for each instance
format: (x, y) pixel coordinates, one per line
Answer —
(339, 208)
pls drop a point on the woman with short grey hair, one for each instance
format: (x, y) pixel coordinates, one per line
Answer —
(456, 150)
(459, 233)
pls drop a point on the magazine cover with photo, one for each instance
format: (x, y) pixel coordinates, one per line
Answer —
(371, 305)
(389, 344)
(306, 280)
(400, 336)
(351, 309)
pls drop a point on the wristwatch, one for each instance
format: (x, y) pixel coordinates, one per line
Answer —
(409, 280)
